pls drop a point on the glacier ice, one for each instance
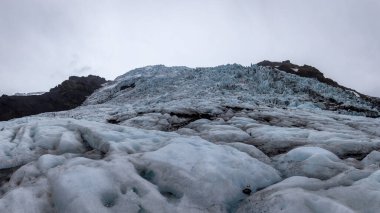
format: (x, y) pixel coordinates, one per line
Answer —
(137, 169)
(176, 139)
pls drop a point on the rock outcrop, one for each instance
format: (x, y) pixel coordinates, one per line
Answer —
(303, 71)
(68, 95)
(312, 72)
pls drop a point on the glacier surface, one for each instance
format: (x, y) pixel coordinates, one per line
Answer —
(175, 139)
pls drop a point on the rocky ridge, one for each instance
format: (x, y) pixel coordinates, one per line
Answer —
(68, 95)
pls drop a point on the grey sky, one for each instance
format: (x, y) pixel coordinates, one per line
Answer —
(42, 42)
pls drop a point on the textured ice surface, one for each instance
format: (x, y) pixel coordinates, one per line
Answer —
(310, 162)
(134, 170)
(223, 139)
(354, 191)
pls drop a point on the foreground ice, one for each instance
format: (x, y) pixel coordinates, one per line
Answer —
(164, 139)
(79, 166)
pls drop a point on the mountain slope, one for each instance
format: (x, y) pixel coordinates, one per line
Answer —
(230, 84)
(312, 72)
(68, 95)
(175, 139)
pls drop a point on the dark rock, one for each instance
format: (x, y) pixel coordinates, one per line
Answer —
(312, 72)
(304, 71)
(131, 86)
(247, 191)
(113, 121)
(68, 95)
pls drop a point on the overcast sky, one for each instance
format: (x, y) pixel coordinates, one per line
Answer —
(43, 42)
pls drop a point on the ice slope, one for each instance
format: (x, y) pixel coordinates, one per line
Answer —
(158, 86)
(176, 139)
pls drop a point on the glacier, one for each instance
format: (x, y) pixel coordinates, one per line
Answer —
(176, 139)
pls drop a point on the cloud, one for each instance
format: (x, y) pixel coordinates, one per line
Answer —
(44, 42)
(83, 70)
